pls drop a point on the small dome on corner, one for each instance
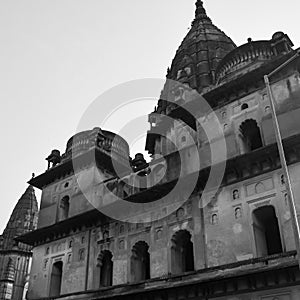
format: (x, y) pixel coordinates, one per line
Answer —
(277, 35)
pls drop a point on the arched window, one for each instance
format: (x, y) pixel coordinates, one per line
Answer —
(140, 262)
(180, 213)
(282, 180)
(64, 207)
(238, 213)
(81, 254)
(235, 194)
(182, 253)
(250, 134)
(106, 268)
(55, 280)
(244, 106)
(214, 219)
(266, 231)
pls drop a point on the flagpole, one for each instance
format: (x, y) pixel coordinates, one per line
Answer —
(291, 199)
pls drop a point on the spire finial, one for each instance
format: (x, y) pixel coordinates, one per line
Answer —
(200, 11)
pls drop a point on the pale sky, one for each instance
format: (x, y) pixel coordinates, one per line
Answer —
(57, 56)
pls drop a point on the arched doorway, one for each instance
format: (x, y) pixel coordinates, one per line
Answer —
(182, 253)
(266, 231)
(55, 280)
(140, 262)
(250, 135)
(106, 268)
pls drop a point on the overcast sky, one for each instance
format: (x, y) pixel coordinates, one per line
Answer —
(57, 56)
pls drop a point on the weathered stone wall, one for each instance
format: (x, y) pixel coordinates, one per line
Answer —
(228, 240)
(232, 238)
(72, 251)
(286, 92)
(276, 294)
(52, 194)
(221, 227)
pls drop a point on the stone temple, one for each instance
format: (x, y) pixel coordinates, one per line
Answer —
(15, 257)
(235, 243)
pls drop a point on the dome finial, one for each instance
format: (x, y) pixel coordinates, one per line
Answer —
(200, 11)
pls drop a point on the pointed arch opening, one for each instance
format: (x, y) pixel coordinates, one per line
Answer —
(250, 135)
(56, 279)
(266, 231)
(140, 262)
(182, 253)
(105, 265)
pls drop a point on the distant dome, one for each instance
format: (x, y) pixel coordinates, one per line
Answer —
(104, 140)
(199, 54)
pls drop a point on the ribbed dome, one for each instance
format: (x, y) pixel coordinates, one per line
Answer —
(200, 52)
(22, 220)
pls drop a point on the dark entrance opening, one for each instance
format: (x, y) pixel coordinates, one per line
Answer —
(182, 253)
(250, 135)
(140, 262)
(266, 231)
(106, 268)
(56, 277)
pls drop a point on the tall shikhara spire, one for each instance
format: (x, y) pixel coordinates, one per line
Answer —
(200, 52)
(195, 62)
(22, 220)
(14, 256)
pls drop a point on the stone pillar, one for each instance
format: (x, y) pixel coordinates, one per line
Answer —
(7, 281)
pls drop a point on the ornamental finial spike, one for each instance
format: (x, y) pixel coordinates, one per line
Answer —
(200, 11)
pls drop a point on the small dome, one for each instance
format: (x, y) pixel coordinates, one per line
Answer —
(236, 63)
(106, 141)
(277, 35)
